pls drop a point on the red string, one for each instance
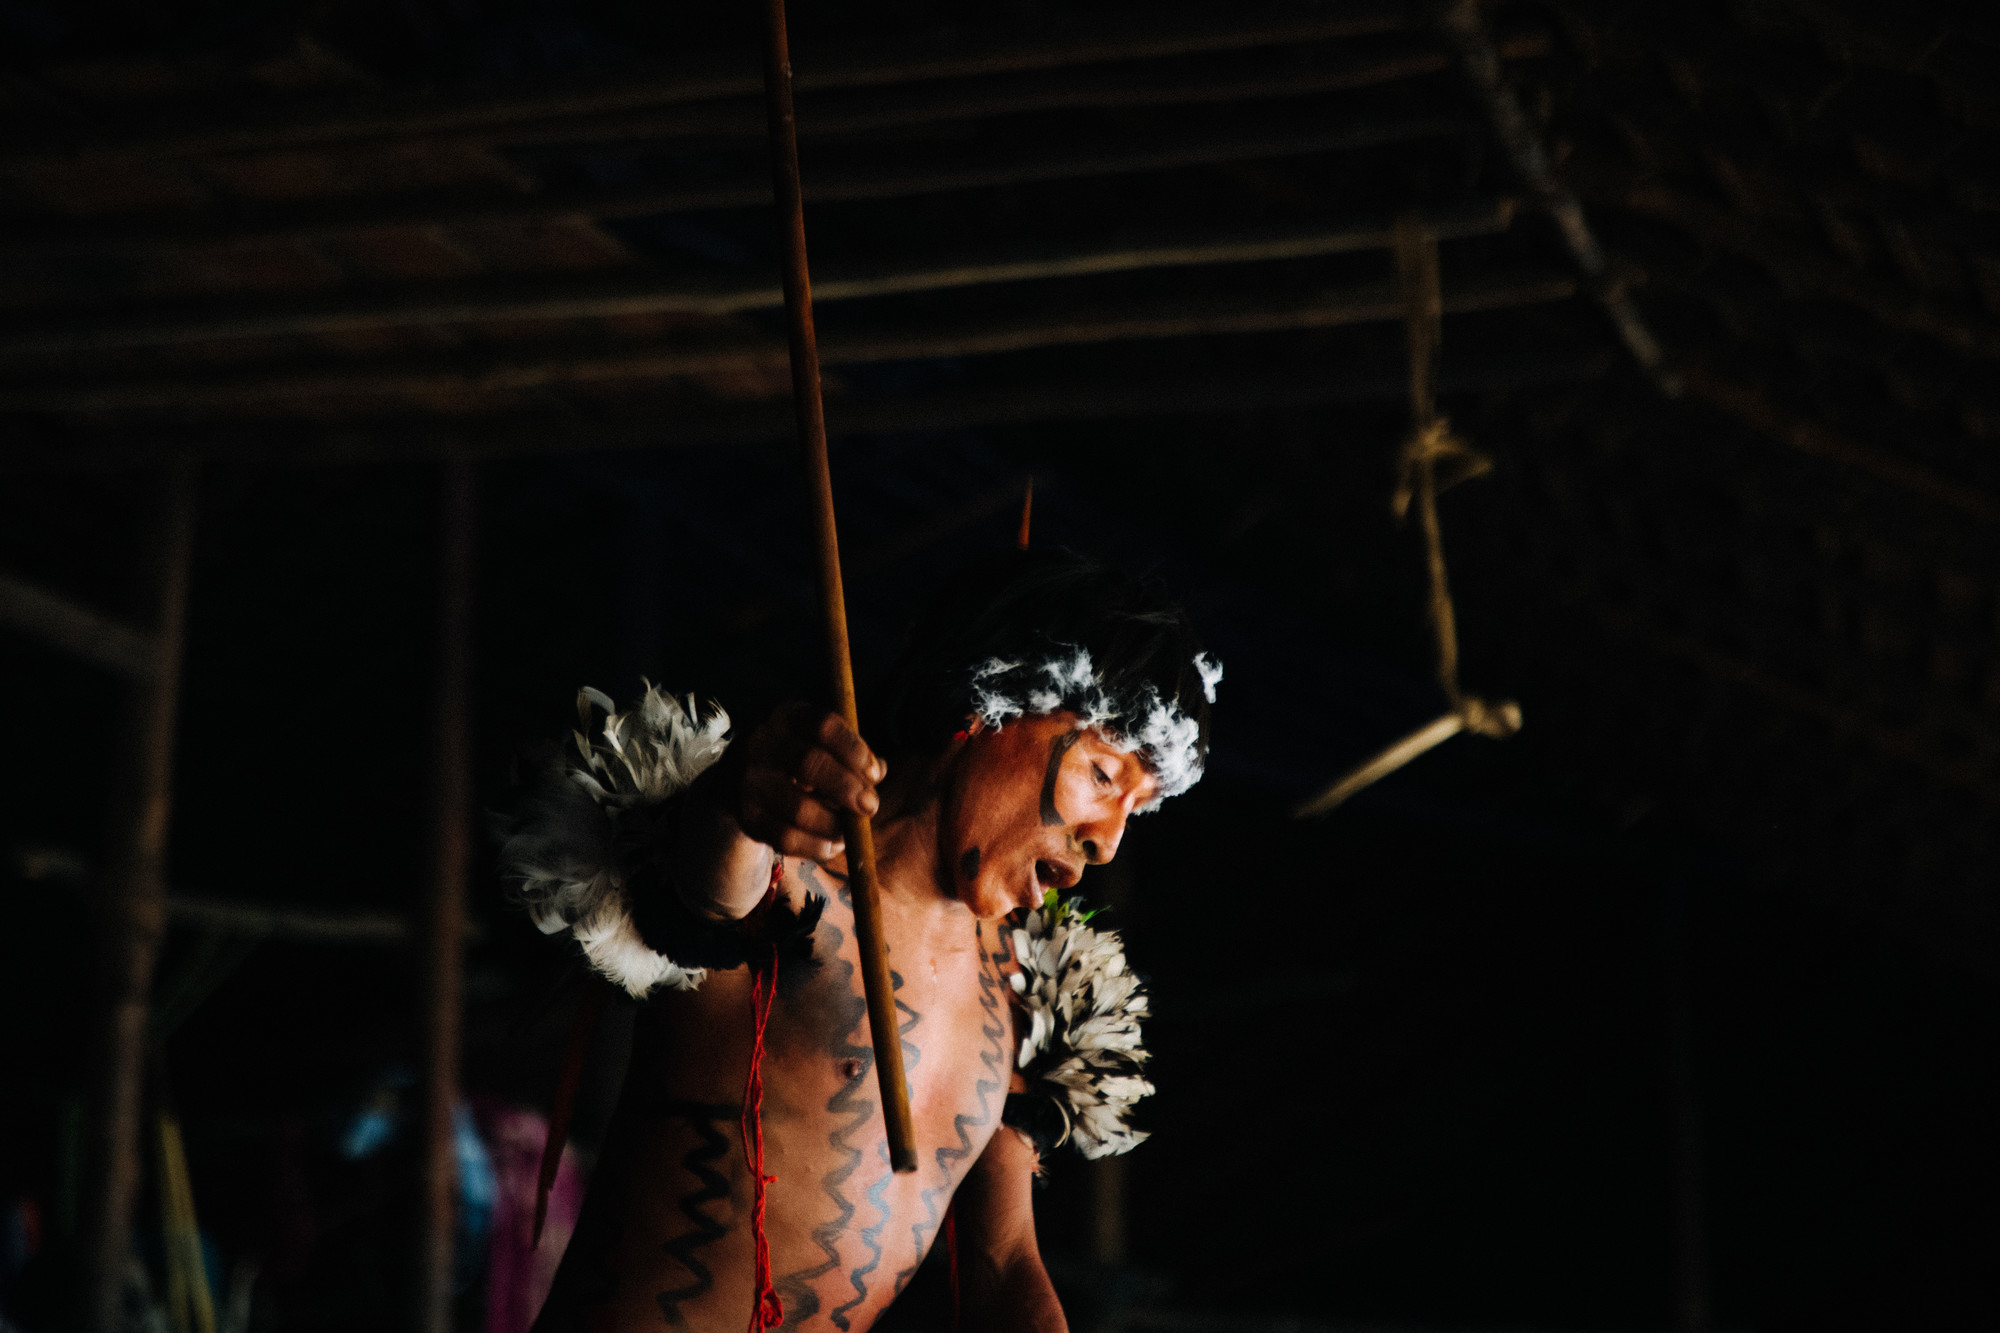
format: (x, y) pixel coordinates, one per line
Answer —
(766, 1309)
(582, 1029)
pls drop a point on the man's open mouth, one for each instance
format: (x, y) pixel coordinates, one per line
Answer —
(1051, 875)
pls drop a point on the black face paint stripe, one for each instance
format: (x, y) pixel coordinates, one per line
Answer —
(1057, 749)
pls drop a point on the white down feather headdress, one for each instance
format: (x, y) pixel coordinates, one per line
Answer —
(1138, 721)
(565, 851)
(1082, 1048)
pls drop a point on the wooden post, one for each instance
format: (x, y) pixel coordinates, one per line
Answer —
(811, 410)
(443, 927)
(134, 909)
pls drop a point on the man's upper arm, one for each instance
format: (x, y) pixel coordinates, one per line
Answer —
(1000, 1265)
(997, 1200)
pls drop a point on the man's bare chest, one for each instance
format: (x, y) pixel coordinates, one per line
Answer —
(853, 1232)
(845, 1232)
(954, 1022)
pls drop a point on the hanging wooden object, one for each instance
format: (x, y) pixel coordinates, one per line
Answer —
(1433, 461)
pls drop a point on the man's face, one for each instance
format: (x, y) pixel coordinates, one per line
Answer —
(1028, 805)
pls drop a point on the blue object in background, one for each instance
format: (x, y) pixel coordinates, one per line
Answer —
(379, 1119)
(378, 1122)
(478, 1194)
(371, 1129)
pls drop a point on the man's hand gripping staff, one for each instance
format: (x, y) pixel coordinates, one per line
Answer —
(802, 771)
(786, 787)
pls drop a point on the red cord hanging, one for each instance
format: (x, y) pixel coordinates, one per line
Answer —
(766, 1309)
(582, 1030)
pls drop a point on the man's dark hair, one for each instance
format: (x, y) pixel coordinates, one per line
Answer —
(1004, 635)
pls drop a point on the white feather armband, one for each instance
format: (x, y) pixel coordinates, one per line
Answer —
(573, 846)
(1082, 1049)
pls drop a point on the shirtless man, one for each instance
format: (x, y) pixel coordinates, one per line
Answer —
(1042, 703)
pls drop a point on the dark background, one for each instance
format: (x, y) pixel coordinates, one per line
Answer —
(1679, 1007)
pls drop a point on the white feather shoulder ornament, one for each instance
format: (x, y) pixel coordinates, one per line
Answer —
(574, 845)
(1082, 1047)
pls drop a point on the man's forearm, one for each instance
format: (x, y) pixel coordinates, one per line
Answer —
(1015, 1296)
(719, 872)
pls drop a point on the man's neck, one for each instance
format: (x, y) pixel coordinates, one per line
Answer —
(906, 832)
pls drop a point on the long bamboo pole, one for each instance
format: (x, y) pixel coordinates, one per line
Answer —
(875, 978)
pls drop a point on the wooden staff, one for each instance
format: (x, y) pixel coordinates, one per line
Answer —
(826, 545)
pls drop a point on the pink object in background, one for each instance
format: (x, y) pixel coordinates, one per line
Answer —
(519, 1273)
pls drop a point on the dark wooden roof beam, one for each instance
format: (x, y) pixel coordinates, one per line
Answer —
(1106, 37)
(852, 176)
(1869, 696)
(1252, 77)
(1893, 742)
(1959, 67)
(1465, 28)
(424, 439)
(1831, 661)
(68, 627)
(1798, 431)
(652, 362)
(1800, 265)
(1789, 178)
(631, 294)
(1841, 352)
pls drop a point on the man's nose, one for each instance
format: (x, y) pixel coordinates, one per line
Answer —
(1100, 838)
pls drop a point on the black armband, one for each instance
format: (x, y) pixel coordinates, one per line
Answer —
(670, 927)
(1040, 1120)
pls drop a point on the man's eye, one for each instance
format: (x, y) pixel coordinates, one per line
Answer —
(1103, 778)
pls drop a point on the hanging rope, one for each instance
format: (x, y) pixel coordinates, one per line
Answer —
(1432, 462)
(766, 1309)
